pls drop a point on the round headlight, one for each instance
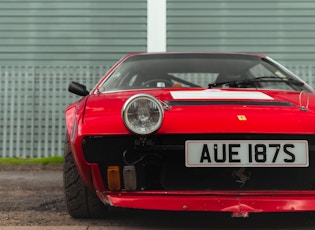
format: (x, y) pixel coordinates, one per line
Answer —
(142, 114)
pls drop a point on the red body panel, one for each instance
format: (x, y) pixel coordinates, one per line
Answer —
(101, 114)
(234, 201)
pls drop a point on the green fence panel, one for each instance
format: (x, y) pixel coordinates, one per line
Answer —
(33, 100)
(85, 33)
(282, 29)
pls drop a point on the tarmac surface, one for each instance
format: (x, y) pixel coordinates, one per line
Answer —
(31, 197)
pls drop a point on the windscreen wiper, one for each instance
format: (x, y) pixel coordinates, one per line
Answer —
(258, 79)
(278, 79)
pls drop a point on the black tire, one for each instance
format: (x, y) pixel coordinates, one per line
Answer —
(81, 202)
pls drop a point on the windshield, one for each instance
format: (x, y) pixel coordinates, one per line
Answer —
(202, 71)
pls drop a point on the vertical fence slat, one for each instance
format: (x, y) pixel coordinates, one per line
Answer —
(46, 91)
(310, 75)
(62, 84)
(54, 102)
(27, 114)
(33, 87)
(39, 112)
(24, 131)
(19, 94)
(11, 118)
(5, 112)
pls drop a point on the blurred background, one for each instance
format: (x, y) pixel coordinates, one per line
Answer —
(45, 44)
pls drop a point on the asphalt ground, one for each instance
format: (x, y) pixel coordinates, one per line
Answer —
(31, 197)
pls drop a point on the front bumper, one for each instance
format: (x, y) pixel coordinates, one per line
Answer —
(184, 189)
(236, 202)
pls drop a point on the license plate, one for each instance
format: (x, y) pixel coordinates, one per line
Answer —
(240, 153)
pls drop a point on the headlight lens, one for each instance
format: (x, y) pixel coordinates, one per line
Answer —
(142, 114)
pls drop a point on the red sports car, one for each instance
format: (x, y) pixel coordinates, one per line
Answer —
(224, 132)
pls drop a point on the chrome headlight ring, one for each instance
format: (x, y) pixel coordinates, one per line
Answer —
(142, 114)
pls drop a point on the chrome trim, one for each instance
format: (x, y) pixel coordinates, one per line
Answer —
(142, 96)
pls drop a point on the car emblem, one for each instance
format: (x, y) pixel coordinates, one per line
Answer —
(242, 117)
(241, 175)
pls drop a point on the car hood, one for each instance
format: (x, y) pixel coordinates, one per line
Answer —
(203, 111)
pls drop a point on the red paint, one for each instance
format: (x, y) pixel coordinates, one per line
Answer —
(100, 114)
(223, 201)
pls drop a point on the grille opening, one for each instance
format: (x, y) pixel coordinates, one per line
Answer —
(163, 168)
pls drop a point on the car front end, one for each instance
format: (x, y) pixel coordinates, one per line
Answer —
(227, 149)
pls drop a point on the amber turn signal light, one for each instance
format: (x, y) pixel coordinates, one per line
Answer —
(113, 178)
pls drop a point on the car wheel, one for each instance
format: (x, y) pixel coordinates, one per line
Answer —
(81, 202)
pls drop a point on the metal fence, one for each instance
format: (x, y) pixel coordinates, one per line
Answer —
(33, 100)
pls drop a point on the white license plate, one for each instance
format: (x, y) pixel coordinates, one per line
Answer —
(241, 153)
